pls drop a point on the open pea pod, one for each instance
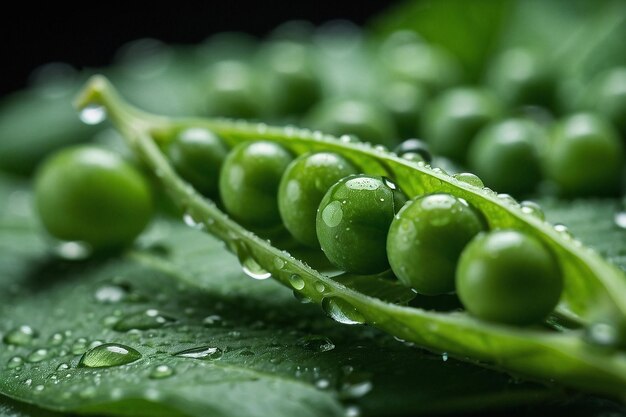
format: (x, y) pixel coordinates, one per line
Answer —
(595, 290)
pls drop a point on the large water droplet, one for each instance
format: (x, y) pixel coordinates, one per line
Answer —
(110, 294)
(342, 311)
(161, 371)
(252, 269)
(93, 114)
(316, 343)
(72, 251)
(533, 209)
(144, 320)
(21, 336)
(107, 355)
(15, 362)
(469, 178)
(209, 353)
(37, 355)
(296, 281)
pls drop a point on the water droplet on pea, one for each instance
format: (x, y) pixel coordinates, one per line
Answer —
(208, 353)
(108, 355)
(342, 311)
(20, 336)
(161, 371)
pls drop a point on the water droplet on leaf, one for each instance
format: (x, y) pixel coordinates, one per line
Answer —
(208, 353)
(161, 371)
(107, 355)
(21, 336)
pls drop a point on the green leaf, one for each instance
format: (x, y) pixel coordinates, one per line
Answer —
(277, 356)
(594, 288)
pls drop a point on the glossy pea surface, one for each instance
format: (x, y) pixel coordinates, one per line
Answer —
(302, 188)
(585, 156)
(506, 156)
(426, 238)
(453, 118)
(249, 181)
(197, 155)
(92, 195)
(364, 119)
(353, 220)
(520, 76)
(509, 277)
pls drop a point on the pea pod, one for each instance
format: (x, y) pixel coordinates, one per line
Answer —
(594, 289)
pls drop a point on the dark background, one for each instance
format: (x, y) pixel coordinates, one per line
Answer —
(34, 34)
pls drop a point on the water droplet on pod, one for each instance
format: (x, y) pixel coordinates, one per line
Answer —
(93, 114)
(342, 311)
(469, 178)
(533, 209)
(296, 281)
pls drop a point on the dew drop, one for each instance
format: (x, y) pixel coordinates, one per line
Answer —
(20, 336)
(413, 157)
(212, 320)
(533, 209)
(353, 411)
(469, 178)
(72, 250)
(322, 383)
(37, 355)
(444, 356)
(161, 371)
(207, 353)
(296, 281)
(319, 287)
(79, 346)
(110, 294)
(279, 263)
(316, 343)
(56, 339)
(93, 114)
(342, 311)
(14, 362)
(63, 367)
(302, 298)
(355, 385)
(508, 199)
(563, 230)
(620, 219)
(252, 269)
(191, 222)
(107, 355)
(144, 320)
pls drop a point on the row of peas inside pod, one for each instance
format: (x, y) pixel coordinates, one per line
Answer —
(523, 128)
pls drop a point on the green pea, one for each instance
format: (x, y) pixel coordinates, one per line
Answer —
(585, 156)
(91, 195)
(420, 63)
(249, 181)
(452, 120)
(426, 238)
(506, 156)
(607, 95)
(414, 146)
(232, 90)
(353, 220)
(520, 76)
(404, 102)
(290, 83)
(361, 118)
(509, 277)
(302, 188)
(197, 154)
